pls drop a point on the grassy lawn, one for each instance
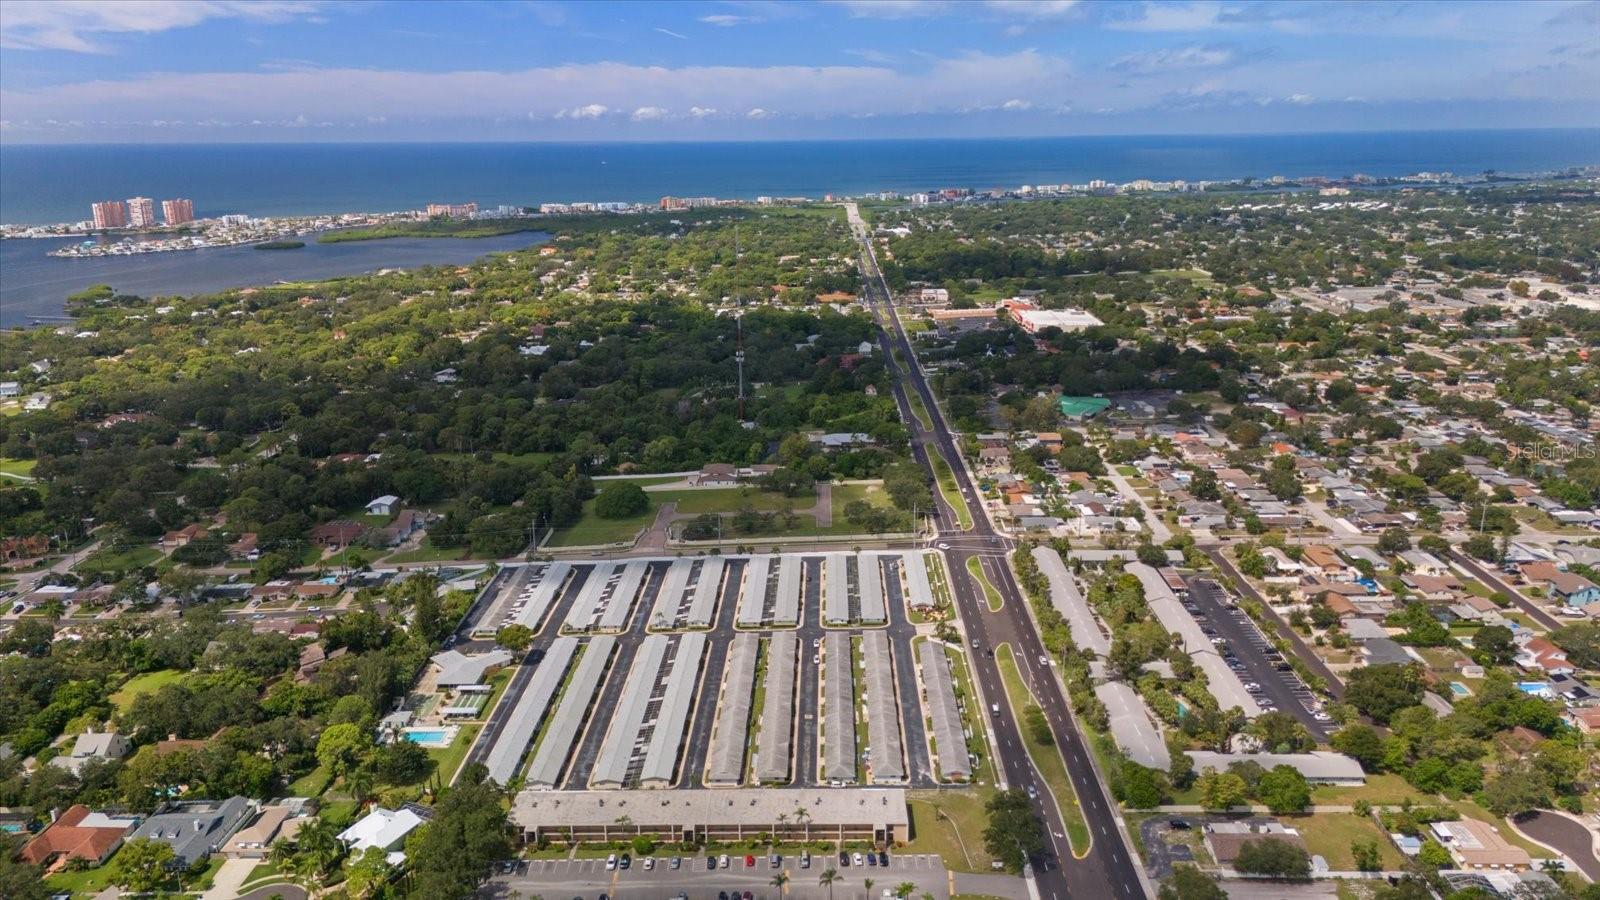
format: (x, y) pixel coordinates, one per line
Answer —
(972, 713)
(118, 560)
(17, 469)
(449, 758)
(952, 494)
(695, 501)
(143, 684)
(1386, 789)
(427, 552)
(950, 823)
(1332, 835)
(920, 410)
(85, 883)
(1046, 758)
(591, 529)
(263, 871)
(975, 568)
(311, 784)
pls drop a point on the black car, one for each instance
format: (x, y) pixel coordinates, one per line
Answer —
(883, 858)
(711, 863)
(1178, 824)
(625, 861)
(844, 859)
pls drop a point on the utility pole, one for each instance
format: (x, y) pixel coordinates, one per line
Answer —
(738, 356)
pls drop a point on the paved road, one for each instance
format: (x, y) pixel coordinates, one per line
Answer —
(1108, 869)
(1306, 654)
(1493, 580)
(1566, 835)
(1283, 689)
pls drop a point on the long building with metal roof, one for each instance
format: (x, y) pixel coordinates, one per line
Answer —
(839, 712)
(536, 600)
(669, 598)
(577, 703)
(581, 617)
(949, 732)
(660, 763)
(775, 745)
(530, 710)
(753, 596)
(919, 593)
(731, 736)
(1222, 681)
(836, 588)
(887, 757)
(703, 605)
(786, 605)
(621, 741)
(1069, 601)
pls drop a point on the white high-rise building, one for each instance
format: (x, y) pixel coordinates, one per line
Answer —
(141, 212)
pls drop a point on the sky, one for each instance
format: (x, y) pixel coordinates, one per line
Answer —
(152, 71)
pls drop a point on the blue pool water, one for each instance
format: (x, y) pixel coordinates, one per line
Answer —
(435, 736)
(1459, 689)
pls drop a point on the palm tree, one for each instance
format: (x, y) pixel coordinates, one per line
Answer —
(359, 784)
(780, 881)
(801, 814)
(868, 883)
(828, 878)
(904, 889)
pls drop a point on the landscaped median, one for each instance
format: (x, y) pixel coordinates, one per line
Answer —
(1047, 758)
(975, 567)
(952, 494)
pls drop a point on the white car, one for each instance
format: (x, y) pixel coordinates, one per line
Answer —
(649, 863)
(1252, 687)
(611, 862)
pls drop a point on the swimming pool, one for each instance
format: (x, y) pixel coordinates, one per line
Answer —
(430, 737)
(1459, 689)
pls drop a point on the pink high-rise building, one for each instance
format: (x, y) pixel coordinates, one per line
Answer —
(177, 212)
(141, 212)
(110, 214)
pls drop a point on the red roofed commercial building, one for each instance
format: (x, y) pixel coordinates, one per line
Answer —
(1032, 319)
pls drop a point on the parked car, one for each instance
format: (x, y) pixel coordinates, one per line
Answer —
(611, 862)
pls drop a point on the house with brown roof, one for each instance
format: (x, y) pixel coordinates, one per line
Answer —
(1477, 845)
(244, 547)
(1226, 839)
(338, 534)
(183, 537)
(1324, 560)
(80, 834)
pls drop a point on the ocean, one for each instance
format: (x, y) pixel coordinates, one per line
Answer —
(44, 184)
(57, 183)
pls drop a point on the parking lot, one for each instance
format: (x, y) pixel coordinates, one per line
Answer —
(1253, 657)
(754, 873)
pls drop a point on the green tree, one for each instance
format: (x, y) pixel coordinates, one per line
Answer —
(342, 747)
(515, 637)
(1284, 790)
(1394, 540)
(141, 865)
(1014, 833)
(1382, 690)
(366, 874)
(1273, 857)
(1221, 790)
(621, 500)
(1494, 644)
(828, 878)
(1189, 883)
(1361, 742)
(1434, 854)
(450, 856)
(1366, 856)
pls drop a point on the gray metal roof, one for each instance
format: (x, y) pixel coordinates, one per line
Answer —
(949, 733)
(732, 737)
(1131, 727)
(775, 744)
(581, 616)
(536, 600)
(669, 598)
(195, 830)
(457, 668)
(611, 766)
(753, 596)
(530, 710)
(883, 713)
(555, 747)
(706, 590)
(619, 601)
(869, 581)
(1069, 601)
(661, 758)
(839, 722)
(1318, 765)
(836, 599)
(786, 606)
(918, 592)
(1223, 683)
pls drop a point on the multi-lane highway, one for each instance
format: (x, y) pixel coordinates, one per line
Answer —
(1108, 868)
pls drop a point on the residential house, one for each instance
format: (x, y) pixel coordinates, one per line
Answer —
(184, 536)
(1572, 589)
(383, 506)
(195, 829)
(457, 669)
(338, 534)
(407, 523)
(245, 547)
(273, 823)
(716, 475)
(1540, 654)
(78, 835)
(1224, 840)
(90, 746)
(383, 828)
(1323, 561)
(1478, 845)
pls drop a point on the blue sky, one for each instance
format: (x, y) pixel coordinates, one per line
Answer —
(304, 70)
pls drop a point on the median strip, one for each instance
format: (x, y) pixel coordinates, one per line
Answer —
(1047, 758)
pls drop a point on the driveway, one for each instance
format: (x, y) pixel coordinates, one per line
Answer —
(1569, 836)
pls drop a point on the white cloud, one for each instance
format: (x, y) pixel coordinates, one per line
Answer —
(74, 25)
(1173, 17)
(701, 112)
(1015, 105)
(1299, 99)
(587, 111)
(759, 113)
(725, 20)
(670, 33)
(893, 9)
(1035, 9)
(1171, 58)
(649, 114)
